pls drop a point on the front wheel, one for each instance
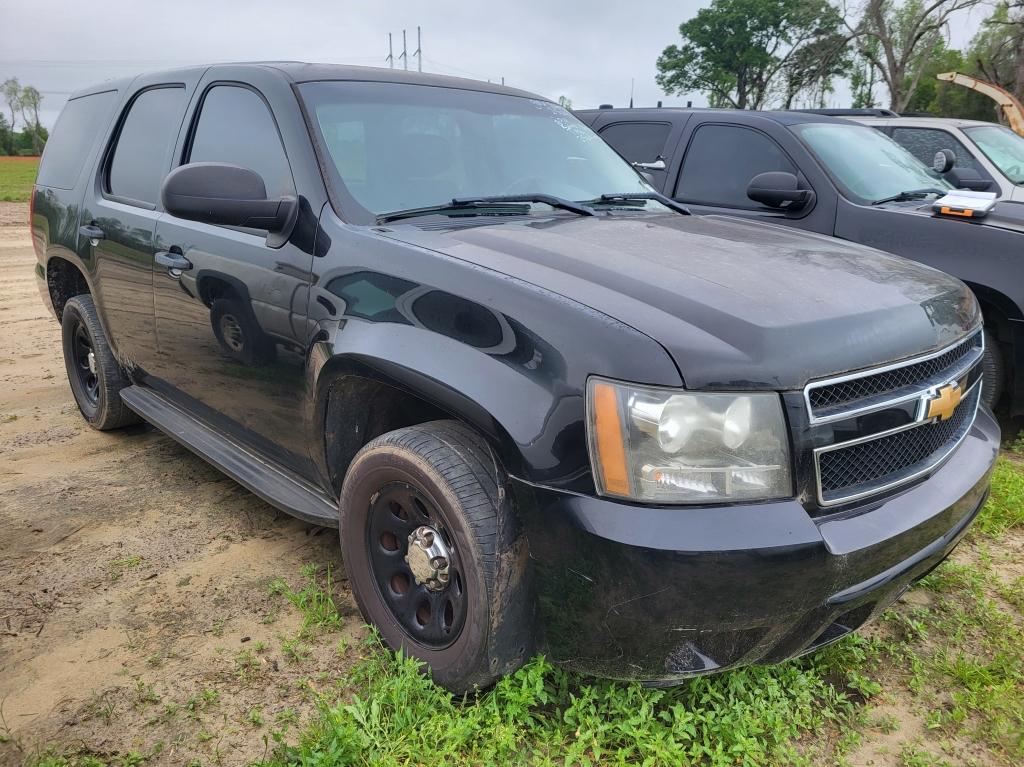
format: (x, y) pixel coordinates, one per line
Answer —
(434, 553)
(994, 371)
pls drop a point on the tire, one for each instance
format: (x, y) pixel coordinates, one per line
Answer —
(443, 475)
(238, 333)
(96, 383)
(994, 371)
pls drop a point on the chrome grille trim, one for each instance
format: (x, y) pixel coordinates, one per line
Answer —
(933, 461)
(883, 401)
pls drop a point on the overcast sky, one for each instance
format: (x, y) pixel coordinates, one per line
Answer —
(587, 51)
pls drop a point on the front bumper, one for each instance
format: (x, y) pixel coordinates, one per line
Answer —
(661, 594)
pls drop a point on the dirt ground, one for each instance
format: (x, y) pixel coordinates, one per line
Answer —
(135, 613)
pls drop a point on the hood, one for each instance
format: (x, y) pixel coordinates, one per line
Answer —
(737, 304)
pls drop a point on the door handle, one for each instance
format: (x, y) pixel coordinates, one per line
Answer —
(173, 260)
(91, 232)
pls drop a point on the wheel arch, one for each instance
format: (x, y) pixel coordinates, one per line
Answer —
(1005, 319)
(359, 399)
(64, 280)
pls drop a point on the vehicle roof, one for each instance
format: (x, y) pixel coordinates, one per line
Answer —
(301, 72)
(780, 116)
(950, 122)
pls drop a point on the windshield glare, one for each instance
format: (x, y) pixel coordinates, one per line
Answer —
(867, 165)
(396, 146)
(1003, 147)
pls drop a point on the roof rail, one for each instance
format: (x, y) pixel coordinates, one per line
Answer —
(866, 112)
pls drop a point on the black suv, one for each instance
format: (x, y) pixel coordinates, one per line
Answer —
(830, 175)
(546, 407)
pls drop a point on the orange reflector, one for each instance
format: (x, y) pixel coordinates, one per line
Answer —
(611, 446)
(966, 213)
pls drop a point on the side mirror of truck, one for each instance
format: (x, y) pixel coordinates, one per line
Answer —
(778, 189)
(968, 178)
(228, 195)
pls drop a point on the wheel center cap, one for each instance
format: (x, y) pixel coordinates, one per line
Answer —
(428, 558)
(92, 363)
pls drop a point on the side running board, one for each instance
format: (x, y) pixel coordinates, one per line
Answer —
(276, 486)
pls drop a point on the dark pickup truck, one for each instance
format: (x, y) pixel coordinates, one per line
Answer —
(546, 407)
(833, 176)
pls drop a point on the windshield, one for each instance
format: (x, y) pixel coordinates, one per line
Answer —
(867, 165)
(1003, 147)
(396, 147)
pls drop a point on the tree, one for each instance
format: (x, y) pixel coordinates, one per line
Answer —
(996, 53)
(12, 95)
(903, 33)
(736, 51)
(29, 104)
(944, 99)
(565, 102)
(6, 137)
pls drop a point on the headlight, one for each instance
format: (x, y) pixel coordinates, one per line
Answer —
(671, 446)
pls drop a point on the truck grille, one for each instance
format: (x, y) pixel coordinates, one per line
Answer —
(866, 467)
(837, 395)
(872, 463)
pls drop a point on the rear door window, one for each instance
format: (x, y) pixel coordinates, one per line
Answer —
(72, 138)
(235, 126)
(142, 154)
(721, 161)
(637, 142)
(925, 143)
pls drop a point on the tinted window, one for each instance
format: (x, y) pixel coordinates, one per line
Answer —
(144, 145)
(924, 143)
(236, 127)
(637, 142)
(720, 162)
(72, 138)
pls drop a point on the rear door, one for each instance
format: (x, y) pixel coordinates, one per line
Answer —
(231, 321)
(121, 208)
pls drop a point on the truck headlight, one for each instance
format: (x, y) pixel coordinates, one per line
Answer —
(673, 446)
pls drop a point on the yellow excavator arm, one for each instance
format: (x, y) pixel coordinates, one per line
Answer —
(1009, 103)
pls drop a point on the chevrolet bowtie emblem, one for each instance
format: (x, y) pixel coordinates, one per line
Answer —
(944, 401)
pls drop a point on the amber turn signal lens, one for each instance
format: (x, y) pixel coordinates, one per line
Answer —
(610, 443)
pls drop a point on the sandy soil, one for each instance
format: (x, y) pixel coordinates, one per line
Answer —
(134, 577)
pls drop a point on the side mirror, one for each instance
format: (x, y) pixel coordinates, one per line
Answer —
(778, 189)
(229, 195)
(944, 161)
(968, 178)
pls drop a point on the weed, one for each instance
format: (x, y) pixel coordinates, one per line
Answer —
(314, 600)
(255, 716)
(118, 567)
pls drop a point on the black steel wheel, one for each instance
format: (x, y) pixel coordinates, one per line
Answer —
(95, 376)
(435, 555)
(430, 609)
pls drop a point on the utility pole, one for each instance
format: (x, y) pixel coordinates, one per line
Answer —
(632, 82)
(404, 57)
(419, 50)
(503, 79)
(391, 53)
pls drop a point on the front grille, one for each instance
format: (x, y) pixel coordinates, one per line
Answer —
(840, 395)
(870, 466)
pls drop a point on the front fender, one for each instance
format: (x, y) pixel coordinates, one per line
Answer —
(505, 356)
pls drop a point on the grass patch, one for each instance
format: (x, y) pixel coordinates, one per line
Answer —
(17, 175)
(315, 600)
(1005, 508)
(543, 715)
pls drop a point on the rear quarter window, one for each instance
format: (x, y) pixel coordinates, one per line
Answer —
(73, 136)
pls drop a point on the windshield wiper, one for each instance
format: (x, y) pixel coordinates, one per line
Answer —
(458, 208)
(548, 199)
(668, 202)
(912, 194)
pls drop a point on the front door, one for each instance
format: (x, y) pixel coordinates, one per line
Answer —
(230, 308)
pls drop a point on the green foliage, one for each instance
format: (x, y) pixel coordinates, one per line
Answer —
(543, 715)
(1005, 508)
(944, 99)
(17, 174)
(314, 600)
(736, 50)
